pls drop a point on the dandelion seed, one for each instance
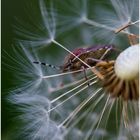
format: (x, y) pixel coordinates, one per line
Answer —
(44, 33)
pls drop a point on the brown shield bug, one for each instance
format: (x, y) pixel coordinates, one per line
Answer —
(90, 56)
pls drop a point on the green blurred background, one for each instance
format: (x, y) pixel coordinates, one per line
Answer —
(10, 10)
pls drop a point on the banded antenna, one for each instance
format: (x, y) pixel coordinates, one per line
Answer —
(49, 65)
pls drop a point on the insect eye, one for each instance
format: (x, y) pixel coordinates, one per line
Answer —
(106, 47)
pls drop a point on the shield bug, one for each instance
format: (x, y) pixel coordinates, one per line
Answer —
(90, 56)
(81, 56)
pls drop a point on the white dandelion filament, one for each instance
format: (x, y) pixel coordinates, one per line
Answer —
(69, 85)
(82, 89)
(93, 125)
(96, 24)
(70, 53)
(75, 112)
(79, 107)
(61, 74)
(71, 90)
(102, 113)
(91, 108)
(124, 114)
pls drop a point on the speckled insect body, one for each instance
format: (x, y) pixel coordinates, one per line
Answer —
(90, 56)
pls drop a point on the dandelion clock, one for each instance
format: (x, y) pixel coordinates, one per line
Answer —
(74, 71)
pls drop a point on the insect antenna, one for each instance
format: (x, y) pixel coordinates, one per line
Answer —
(49, 65)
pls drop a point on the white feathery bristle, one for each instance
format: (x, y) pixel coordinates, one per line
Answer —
(127, 63)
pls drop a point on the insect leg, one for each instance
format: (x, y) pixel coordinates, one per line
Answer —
(84, 70)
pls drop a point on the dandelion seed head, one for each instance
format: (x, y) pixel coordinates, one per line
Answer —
(70, 107)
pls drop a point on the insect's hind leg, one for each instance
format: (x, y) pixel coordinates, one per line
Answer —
(86, 78)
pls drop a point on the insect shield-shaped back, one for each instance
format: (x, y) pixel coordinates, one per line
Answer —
(90, 56)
